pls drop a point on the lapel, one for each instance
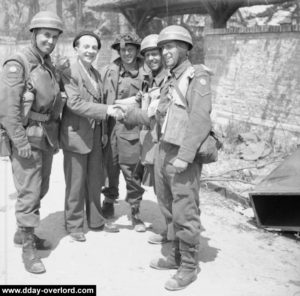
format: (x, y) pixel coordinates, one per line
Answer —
(87, 84)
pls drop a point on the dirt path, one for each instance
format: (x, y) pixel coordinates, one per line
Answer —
(236, 258)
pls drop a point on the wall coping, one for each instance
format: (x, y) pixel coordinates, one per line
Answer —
(283, 28)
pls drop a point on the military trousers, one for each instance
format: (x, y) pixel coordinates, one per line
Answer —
(84, 177)
(31, 178)
(113, 166)
(178, 195)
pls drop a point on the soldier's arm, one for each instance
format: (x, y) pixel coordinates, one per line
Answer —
(199, 125)
(136, 116)
(78, 104)
(13, 84)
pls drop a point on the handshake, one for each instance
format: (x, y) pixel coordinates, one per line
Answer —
(122, 107)
(116, 111)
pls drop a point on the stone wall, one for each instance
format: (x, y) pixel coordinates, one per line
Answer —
(256, 76)
(63, 48)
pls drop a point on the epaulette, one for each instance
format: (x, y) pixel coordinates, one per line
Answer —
(202, 70)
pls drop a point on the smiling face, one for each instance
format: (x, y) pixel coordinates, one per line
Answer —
(174, 53)
(128, 54)
(46, 40)
(153, 59)
(87, 49)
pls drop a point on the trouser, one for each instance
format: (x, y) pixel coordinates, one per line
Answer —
(178, 195)
(133, 184)
(31, 178)
(84, 176)
(113, 167)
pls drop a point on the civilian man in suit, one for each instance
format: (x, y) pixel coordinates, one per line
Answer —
(82, 139)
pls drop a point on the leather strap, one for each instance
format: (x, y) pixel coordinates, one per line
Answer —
(39, 116)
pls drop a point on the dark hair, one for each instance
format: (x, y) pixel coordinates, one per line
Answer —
(86, 33)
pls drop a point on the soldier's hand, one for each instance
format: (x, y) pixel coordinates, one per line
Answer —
(180, 165)
(115, 111)
(25, 151)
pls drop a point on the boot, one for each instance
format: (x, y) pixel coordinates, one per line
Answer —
(172, 261)
(41, 244)
(108, 210)
(158, 239)
(137, 223)
(31, 261)
(188, 270)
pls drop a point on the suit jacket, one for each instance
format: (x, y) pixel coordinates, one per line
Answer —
(83, 110)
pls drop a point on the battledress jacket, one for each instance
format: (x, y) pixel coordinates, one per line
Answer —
(128, 148)
(16, 77)
(198, 105)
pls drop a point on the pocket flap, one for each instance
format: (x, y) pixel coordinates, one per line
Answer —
(129, 136)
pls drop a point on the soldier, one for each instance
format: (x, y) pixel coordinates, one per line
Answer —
(123, 79)
(33, 106)
(82, 137)
(183, 115)
(146, 115)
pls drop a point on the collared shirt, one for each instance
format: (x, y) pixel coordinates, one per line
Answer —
(89, 74)
(157, 80)
(173, 75)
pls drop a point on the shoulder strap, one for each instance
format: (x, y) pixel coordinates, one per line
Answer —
(180, 94)
(176, 85)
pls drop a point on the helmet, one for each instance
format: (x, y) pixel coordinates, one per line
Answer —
(149, 42)
(127, 38)
(175, 33)
(46, 19)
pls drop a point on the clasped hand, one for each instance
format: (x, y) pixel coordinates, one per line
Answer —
(116, 111)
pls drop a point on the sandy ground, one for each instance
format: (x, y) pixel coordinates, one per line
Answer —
(236, 258)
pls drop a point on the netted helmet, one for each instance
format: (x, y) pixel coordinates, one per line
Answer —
(127, 38)
(148, 43)
(46, 19)
(175, 33)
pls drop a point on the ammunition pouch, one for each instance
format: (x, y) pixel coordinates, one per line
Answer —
(36, 134)
(5, 145)
(58, 105)
(175, 124)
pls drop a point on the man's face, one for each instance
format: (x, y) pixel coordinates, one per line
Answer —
(153, 59)
(46, 40)
(173, 54)
(128, 54)
(87, 49)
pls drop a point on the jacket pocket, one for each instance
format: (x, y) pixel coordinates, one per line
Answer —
(129, 148)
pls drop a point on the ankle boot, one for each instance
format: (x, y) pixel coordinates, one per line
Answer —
(137, 223)
(188, 270)
(40, 243)
(31, 261)
(172, 261)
